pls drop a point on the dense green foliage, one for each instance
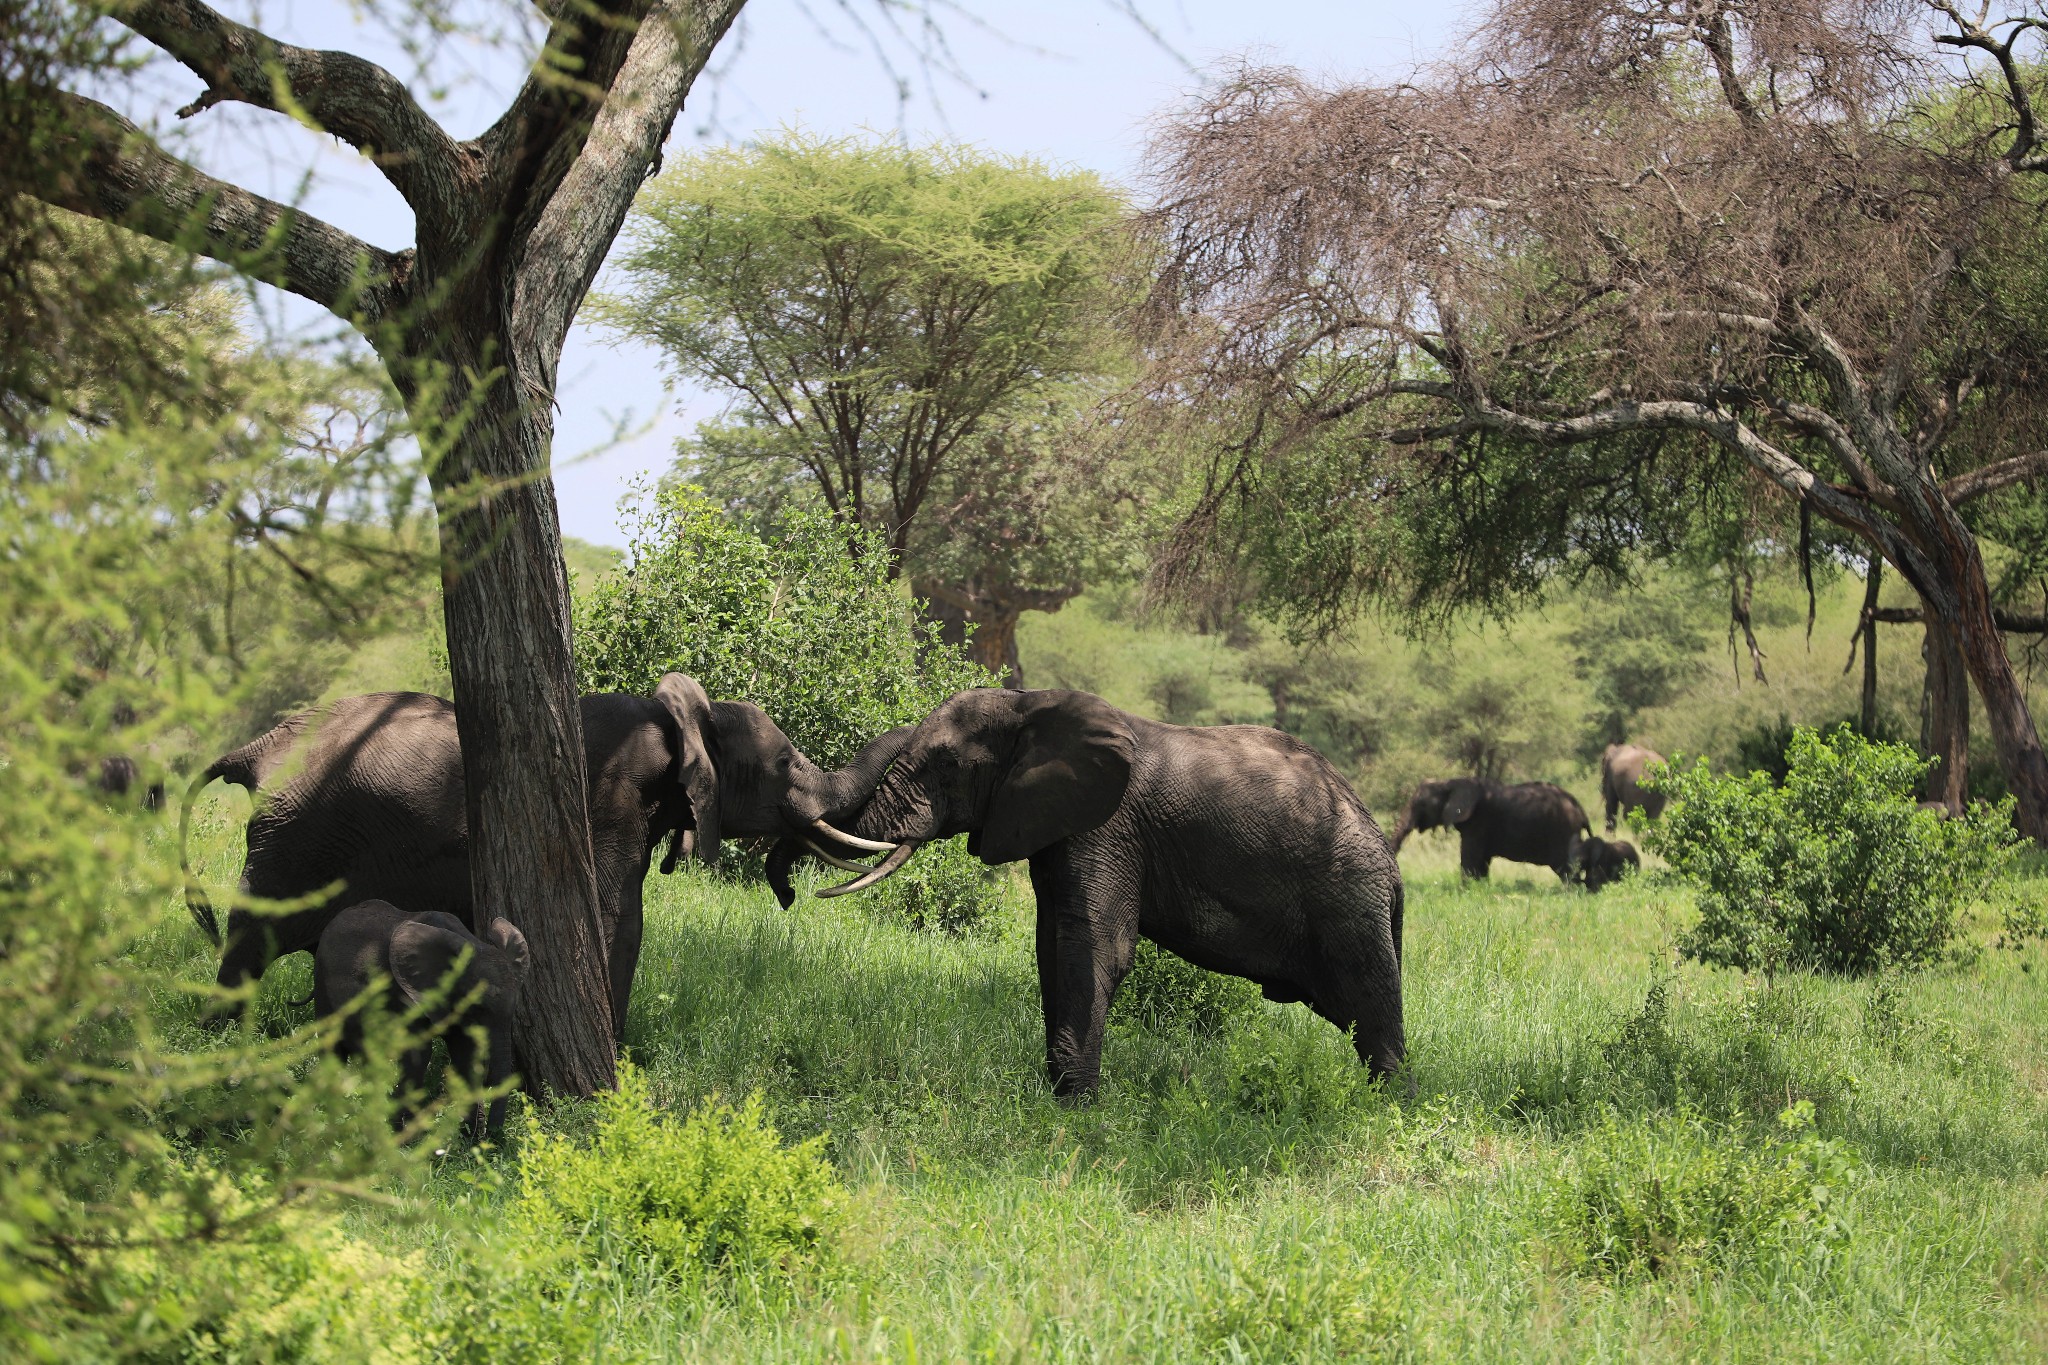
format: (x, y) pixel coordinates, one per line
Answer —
(905, 336)
(718, 1192)
(1838, 869)
(182, 550)
(944, 887)
(821, 639)
(1650, 1199)
(1164, 992)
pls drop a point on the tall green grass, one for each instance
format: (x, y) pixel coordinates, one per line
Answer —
(1246, 1196)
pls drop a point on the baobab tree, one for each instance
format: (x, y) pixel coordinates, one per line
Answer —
(1541, 306)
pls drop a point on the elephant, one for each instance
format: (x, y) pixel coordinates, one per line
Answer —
(121, 778)
(1621, 774)
(1529, 822)
(1607, 860)
(1236, 847)
(363, 799)
(417, 955)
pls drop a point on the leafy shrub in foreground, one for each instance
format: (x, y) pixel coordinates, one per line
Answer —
(1306, 1303)
(1645, 1198)
(943, 887)
(807, 624)
(718, 1192)
(1165, 991)
(292, 1287)
(1837, 870)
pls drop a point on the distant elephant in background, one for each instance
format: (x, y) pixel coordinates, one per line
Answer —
(1607, 860)
(1236, 847)
(1529, 822)
(367, 793)
(417, 954)
(1621, 774)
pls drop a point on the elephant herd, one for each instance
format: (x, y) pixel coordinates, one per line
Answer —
(1236, 847)
(1539, 822)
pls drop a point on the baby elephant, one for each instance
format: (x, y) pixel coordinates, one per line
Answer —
(1607, 860)
(417, 953)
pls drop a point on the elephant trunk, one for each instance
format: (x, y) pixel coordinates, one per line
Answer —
(842, 793)
(1402, 829)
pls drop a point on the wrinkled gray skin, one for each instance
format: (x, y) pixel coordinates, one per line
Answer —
(848, 788)
(1238, 848)
(1529, 822)
(418, 953)
(1621, 772)
(368, 793)
(1607, 860)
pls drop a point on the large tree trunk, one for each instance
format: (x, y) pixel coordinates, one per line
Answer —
(1945, 716)
(1873, 580)
(993, 612)
(1968, 631)
(505, 593)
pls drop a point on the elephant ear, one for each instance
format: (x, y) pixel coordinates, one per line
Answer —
(1067, 773)
(505, 936)
(696, 768)
(422, 955)
(1461, 803)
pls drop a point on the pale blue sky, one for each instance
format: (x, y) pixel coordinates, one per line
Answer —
(1072, 81)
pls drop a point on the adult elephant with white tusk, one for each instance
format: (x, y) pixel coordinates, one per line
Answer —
(363, 799)
(1237, 847)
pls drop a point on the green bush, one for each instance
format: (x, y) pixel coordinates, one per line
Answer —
(1164, 991)
(1304, 1303)
(512, 1301)
(1294, 1072)
(943, 887)
(290, 1288)
(718, 1193)
(1837, 870)
(1646, 1198)
(805, 622)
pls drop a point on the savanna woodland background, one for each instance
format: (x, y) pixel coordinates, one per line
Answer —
(1660, 370)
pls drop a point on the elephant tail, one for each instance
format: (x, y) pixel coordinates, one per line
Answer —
(236, 768)
(1394, 918)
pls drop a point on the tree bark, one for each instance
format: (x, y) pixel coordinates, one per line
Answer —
(1873, 578)
(993, 613)
(1945, 716)
(505, 597)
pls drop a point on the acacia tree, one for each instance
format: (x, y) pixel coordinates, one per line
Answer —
(1534, 312)
(889, 323)
(469, 322)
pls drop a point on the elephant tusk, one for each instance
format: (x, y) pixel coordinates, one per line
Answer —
(818, 850)
(876, 873)
(851, 841)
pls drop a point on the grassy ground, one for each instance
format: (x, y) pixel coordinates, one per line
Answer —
(1244, 1196)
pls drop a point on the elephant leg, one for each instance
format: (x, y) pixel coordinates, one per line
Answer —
(1372, 1016)
(412, 1083)
(1087, 936)
(1473, 859)
(625, 956)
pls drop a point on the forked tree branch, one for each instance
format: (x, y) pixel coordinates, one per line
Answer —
(1993, 477)
(336, 92)
(105, 167)
(567, 243)
(2027, 152)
